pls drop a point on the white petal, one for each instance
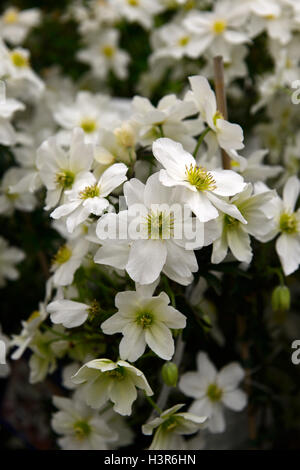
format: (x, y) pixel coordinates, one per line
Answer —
(230, 376)
(235, 400)
(133, 344)
(113, 177)
(173, 157)
(290, 193)
(160, 340)
(228, 182)
(239, 243)
(146, 260)
(288, 249)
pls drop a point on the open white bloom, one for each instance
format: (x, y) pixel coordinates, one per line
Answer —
(30, 328)
(286, 222)
(15, 65)
(175, 41)
(235, 234)
(144, 320)
(218, 29)
(255, 169)
(213, 390)
(15, 24)
(9, 257)
(170, 426)
(89, 196)
(140, 11)
(67, 260)
(8, 107)
(167, 119)
(107, 380)
(67, 312)
(89, 112)
(81, 427)
(227, 135)
(202, 190)
(155, 232)
(104, 55)
(59, 169)
(10, 200)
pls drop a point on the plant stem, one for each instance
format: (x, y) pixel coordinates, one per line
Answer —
(200, 140)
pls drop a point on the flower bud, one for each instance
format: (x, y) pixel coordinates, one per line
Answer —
(281, 299)
(125, 135)
(169, 374)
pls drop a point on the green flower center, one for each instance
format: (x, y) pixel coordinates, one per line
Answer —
(94, 309)
(170, 424)
(214, 393)
(63, 255)
(219, 26)
(159, 225)
(65, 179)
(108, 51)
(117, 373)
(144, 319)
(229, 221)
(183, 41)
(90, 192)
(200, 178)
(288, 223)
(19, 60)
(133, 3)
(82, 429)
(217, 116)
(88, 125)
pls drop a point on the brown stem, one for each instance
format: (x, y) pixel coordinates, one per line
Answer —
(241, 321)
(221, 101)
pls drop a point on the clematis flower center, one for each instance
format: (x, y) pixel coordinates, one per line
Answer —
(133, 3)
(108, 51)
(144, 319)
(219, 26)
(82, 429)
(217, 116)
(288, 223)
(170, 424)
(94, 309)
(63, 255)
(200, 178)
(214, 393)
(183, 41)
(88, 125)
(117, 373)
(65, 179)
(90, 192)
(11, 16)
(159, 225)
(19, 60)
(230, 221)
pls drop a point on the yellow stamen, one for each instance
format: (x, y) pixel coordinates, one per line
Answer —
(200, 178)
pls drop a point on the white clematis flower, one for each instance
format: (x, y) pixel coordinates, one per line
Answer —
(235, 234)
(213, 390)
(227, 135)
(144, 320)
(218, 29)
(89, 196)
(170, 426)
(107, 380)
(150, 244)
(104, 55)
(15, 24)
(80, 427)
(286, 222)
(202, 190)
(67, 260)
(59, 169)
